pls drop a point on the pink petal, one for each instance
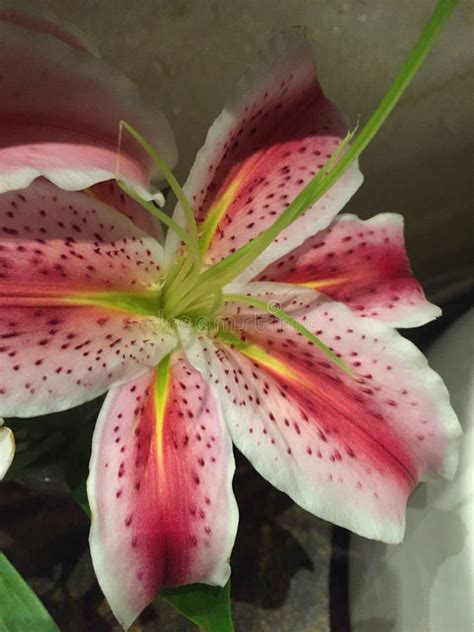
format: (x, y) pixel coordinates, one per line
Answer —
(110, 193)
(59, 112)
(43, 25)
(54, 357)
(270, 140)
(57, 243)
(362, 264)
(56, 247)
(348, 450)
(163, 512)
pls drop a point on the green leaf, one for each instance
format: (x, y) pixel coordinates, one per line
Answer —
(20, 608)
(208, 607)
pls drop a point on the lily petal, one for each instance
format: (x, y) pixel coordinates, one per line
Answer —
(41, 24)
(110, 193)
(271, 138)
(54, 357)
(348, 449)
(7, 449)
(60, 108)
(163, 511)
(68, 266)
(362, 264)
(57, 243)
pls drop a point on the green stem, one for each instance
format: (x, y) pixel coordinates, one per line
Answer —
(180, 286)
(175, 271)
(183, 269)
(193, 238)
(158, 213)
(229, 268)
(286, 318)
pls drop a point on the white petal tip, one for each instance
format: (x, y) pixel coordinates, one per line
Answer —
(421, 315)
(7, 449)
(159, 198)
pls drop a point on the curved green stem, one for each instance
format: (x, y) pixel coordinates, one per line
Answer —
(286, 318)
(178, 286)
(168, 175)
(192, 240)
(157, 212)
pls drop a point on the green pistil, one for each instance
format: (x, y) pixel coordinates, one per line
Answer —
(158, 213)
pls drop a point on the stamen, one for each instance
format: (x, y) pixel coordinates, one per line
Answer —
(286, 318)
(178, 287)
(191, 239)
(179, 270)
(158, 213)
(205, 309)
(169, 177)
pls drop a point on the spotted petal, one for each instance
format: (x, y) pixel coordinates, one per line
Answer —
(362, 264)
(60, 108)
(348, 449)
(110, 193)
(54, 357)
(272, 137)
(163, 512)
(60, 242)
(64, 258)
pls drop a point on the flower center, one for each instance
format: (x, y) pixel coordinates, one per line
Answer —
(185, 298)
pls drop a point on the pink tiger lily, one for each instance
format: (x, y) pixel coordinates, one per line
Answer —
(90, 301)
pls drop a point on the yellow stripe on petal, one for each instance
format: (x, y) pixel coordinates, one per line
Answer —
(318, 285)
(258, 354)
(162, 385)
(217, 211)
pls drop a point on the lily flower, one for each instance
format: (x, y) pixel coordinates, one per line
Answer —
(288, 350)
